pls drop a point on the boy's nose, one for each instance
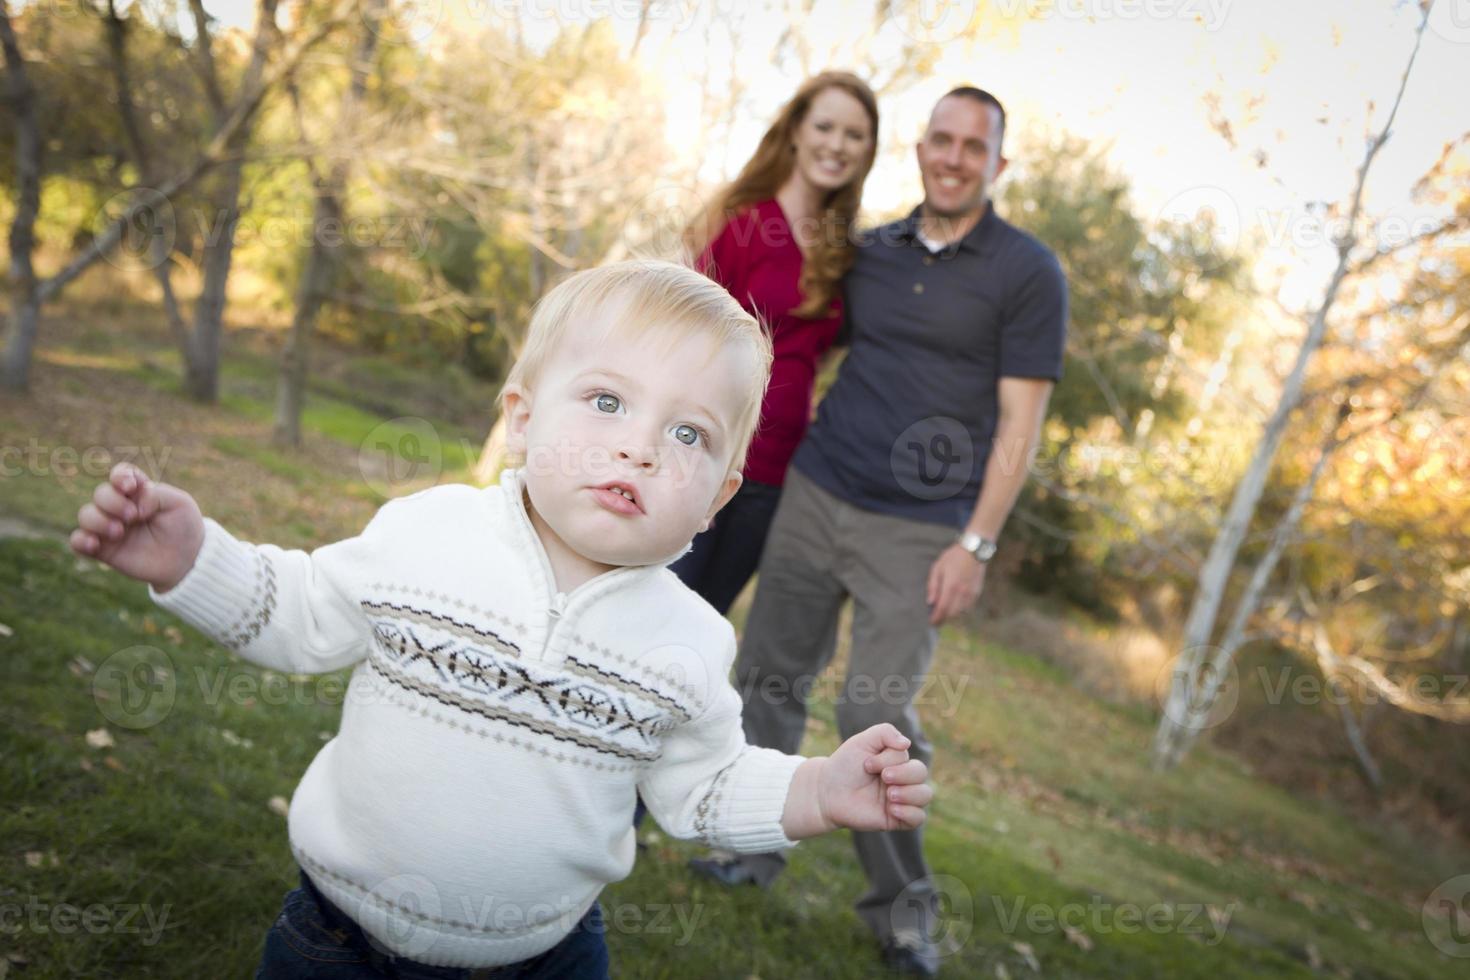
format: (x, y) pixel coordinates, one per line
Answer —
(644, 457)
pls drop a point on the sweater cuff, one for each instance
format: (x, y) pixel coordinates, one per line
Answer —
(754, 799)
(220, 590)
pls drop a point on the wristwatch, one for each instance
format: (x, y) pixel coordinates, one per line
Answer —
(981, 549)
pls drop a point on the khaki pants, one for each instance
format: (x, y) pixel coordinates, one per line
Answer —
(820, 551)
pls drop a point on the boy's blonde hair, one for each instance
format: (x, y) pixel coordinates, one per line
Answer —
(647, 295)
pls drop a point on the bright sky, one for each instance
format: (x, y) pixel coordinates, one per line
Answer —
(1132, 74)
(1107, 70)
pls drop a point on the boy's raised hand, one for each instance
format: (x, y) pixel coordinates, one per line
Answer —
(146, 530)
(870, 783)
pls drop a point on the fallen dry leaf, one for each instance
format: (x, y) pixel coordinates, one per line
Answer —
(1078, 938)
(1028, 954)
(34, 859)
(230, 738)
(1309, 902)
(6, 630)
(279, 805)
(113, 762)
(100, 738)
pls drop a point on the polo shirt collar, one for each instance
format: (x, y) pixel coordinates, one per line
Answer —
(979, 239)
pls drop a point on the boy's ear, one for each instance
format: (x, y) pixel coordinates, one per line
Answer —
(517, 416)
(727, 490)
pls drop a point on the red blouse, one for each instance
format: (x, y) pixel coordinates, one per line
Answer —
(757, 259)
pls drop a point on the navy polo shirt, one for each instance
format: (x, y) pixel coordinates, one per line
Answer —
(906, 428)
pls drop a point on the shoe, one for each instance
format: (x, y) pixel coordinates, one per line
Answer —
(910, 957)
(727, 871)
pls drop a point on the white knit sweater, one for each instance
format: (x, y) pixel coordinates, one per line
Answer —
(480, 791)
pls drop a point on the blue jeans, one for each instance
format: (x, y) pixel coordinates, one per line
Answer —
(312, 938)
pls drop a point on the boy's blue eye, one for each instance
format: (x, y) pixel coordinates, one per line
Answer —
(687, 434)
(608, 403)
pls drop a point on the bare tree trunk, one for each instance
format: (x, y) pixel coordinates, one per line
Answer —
(1218, 663)
(1192, 686)
(32, 293)
(1367, 765)
(316, 282)
(202, 377)
(643, 11)
(321, 261)
(1194, 716)
(158, 224)
(1331, 667)
(26, 309)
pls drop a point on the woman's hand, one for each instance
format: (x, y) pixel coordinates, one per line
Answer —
(146, 530)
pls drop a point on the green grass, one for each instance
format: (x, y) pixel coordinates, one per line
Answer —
(1045, 809)
(1046, 805)
(336, 410)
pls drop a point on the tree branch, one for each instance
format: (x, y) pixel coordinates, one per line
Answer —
(210, 156)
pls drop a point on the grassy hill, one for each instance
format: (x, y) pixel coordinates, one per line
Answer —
(160, 850)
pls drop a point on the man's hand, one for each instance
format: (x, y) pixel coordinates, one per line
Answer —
(148, 531)
(869, 783)
(956, 580)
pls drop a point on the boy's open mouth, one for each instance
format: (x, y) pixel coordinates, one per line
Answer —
(618, 497)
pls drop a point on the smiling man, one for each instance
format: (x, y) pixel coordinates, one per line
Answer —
(956, 323)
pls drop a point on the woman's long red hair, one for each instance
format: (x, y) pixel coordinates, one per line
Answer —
(771, 166)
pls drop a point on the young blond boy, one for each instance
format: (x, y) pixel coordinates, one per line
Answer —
(525, 662)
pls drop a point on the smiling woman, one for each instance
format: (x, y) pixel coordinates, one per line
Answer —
(778, 238)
